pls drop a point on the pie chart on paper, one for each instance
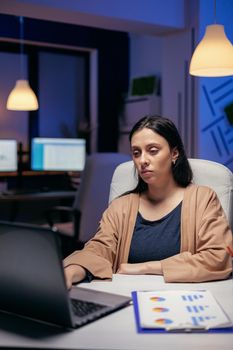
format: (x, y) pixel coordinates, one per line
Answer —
(157, 299)
(160, 309)
(163, 321)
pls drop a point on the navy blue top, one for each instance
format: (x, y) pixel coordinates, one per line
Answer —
(156, 240)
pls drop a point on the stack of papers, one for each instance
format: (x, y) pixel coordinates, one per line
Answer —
(179, 310)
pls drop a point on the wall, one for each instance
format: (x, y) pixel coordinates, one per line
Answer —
(216, 133)
(158, 55)
(178, 92)
(145, 55)
(62, 99)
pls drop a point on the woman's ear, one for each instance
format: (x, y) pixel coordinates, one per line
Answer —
(175, 154)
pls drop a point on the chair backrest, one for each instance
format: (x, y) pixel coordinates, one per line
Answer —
(92, 196)
(205, 172)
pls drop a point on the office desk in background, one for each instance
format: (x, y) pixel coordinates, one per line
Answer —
(118, 331)
(22, 202)
(43, 190)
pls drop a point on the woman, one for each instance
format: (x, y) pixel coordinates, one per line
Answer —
(166, 226)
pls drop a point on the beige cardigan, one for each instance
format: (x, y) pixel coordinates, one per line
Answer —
(205, 234)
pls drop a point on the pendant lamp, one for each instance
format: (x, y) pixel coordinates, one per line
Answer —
(213, 57)
(22, 97)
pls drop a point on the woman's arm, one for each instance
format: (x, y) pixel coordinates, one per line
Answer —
(146, 268)
(208, 258)
(98, 254)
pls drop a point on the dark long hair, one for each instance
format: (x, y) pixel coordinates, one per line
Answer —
(181, 170)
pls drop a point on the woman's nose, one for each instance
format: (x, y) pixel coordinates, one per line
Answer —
(143, 159)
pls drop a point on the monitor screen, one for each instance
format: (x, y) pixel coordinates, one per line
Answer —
(58, 154)
(8, 155)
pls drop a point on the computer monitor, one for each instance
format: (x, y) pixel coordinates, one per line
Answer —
(58, 154)
(8, 155)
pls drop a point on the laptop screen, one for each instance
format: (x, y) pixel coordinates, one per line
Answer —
(33, 283)
(31, 274)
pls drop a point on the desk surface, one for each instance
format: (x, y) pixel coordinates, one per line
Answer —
(117, 331)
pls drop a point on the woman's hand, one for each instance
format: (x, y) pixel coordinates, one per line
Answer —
(150, 267)
(74, 274)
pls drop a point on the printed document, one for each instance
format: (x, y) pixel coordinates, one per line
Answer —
(180, 309)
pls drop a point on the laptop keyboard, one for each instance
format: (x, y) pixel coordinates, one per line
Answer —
(82, 308)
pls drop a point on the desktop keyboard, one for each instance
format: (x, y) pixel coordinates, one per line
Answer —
(82, 308)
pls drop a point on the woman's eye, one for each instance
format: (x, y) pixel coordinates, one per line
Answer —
(153, 150)
(135, 153)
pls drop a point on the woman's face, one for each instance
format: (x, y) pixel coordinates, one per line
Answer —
(152, 156)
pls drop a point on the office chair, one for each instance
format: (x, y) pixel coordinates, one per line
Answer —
(205, 172)
(90, 201)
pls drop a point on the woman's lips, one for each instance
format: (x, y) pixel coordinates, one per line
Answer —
(146, 172)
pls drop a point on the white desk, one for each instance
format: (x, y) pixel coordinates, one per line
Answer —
(117, 331)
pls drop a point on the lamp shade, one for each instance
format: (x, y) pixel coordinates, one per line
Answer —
(213, 57)
(22, 97)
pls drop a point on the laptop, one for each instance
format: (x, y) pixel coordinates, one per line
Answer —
(32, 281)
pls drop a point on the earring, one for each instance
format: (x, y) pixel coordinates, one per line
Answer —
(174, 161)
